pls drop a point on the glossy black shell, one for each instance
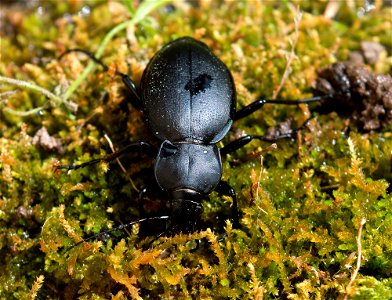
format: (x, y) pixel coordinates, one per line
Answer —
(188, 93)
(190, 166)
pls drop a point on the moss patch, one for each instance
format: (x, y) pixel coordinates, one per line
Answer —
(302, 204)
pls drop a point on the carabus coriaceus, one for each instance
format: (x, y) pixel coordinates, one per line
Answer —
(188, 97)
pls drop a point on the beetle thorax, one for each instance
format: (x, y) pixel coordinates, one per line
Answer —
(188, 166)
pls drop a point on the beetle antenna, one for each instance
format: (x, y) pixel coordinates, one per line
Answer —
(105, 234)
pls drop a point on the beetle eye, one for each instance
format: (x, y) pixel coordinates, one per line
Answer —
(168, 149)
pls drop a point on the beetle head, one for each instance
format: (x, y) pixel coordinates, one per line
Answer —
(185, 210)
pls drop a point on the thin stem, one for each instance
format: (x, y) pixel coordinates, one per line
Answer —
(359, 256)
(31, 86)
(23, 113)
(120, 164)
(290, 59)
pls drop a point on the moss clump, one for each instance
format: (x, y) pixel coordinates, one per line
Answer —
(302, 205)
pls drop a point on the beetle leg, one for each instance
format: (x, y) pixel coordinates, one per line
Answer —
(131, 147)
(135, 98)
(225, 189)
(151, 191)
(129, 83)
(89, 54)
(242, 141)
(259, 103)
(105, 235)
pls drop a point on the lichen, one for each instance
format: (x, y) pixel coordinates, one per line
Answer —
(302, 204)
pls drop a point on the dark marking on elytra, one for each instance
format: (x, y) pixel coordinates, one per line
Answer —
(199, 84)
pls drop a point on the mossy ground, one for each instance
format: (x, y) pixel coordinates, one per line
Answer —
(301, 205)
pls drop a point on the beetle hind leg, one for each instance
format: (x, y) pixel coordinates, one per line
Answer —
(259, 103)
(135, 98)
(242, 141)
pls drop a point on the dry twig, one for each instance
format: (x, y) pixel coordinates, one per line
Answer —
(359, 246)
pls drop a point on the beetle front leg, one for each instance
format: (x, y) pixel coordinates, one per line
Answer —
(224, 188)
(150, 191)
(138, 146)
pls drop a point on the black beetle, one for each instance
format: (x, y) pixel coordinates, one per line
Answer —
(188, 97)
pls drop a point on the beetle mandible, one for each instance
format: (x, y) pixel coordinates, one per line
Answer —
(188, 98)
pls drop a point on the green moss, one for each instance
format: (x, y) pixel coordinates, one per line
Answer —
(301, 206)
